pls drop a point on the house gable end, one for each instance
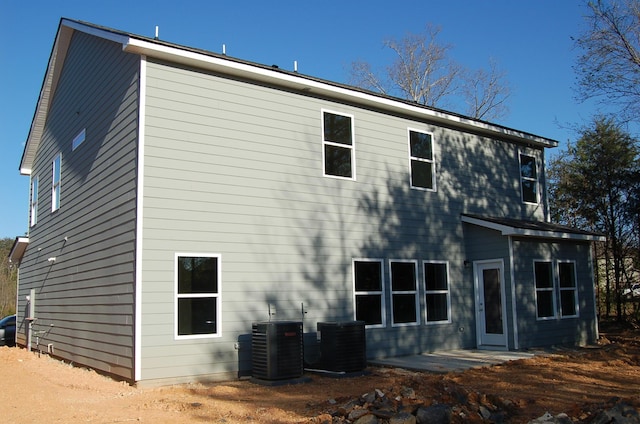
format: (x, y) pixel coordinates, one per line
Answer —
(57, 58)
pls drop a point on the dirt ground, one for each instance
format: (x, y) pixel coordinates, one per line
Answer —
(573, 381)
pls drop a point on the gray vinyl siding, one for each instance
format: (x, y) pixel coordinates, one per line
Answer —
(235, 169)
(533, 332)
(85, 301)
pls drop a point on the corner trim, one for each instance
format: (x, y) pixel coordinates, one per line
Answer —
(139, 220)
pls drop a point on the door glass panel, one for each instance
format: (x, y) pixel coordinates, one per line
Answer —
(492, 301)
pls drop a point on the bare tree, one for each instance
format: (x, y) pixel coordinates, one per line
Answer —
(423, 72)
(486, 93)
(609, 65)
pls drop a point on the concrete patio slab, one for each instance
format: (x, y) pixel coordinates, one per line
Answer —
(451, 361)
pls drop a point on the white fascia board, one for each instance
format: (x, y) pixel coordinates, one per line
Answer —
(248, 71)
(556, 235)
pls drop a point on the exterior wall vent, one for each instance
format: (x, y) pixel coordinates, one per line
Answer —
(277, 350)
(343, 346)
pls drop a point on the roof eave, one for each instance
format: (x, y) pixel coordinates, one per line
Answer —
(305, 85)
(292, 81)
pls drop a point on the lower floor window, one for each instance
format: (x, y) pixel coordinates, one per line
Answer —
(197, 295)
(368, 291)
(552, 283)
(568, 289)
(404, 300)
(436, 287)
(545, 293)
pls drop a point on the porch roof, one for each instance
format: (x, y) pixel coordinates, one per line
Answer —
(17, 250)
(527, 228)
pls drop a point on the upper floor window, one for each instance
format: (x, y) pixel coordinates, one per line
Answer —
(368, 291)
(404, 293)
(421, 160)
(34, 201)
(78, 140)
(198, 295)
(528, 178)
(56, 183)
(436, 288)
(337, 145)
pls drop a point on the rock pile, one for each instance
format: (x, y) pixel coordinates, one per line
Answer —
(456, 405)
(404, 406)
(610, 412)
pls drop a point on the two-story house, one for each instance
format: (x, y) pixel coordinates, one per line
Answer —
(179, 195)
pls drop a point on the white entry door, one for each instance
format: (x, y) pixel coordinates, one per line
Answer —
(490, 304)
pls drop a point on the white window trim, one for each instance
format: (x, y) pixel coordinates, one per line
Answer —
(78, 140)
(217, 296)
(56, 188)
(383, 308)
(447, 292)
(523, 178)
(432, 160)
(574, 289)
(415, 292)
(557, 290)
(34, 201)
(552, 289)
(352, 146)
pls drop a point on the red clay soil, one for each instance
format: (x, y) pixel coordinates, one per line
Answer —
(578, 382)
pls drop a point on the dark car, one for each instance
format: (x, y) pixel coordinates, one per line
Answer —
(8, 331)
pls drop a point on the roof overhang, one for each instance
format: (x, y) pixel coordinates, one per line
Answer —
(534, 229)
(304, 84)
(250, 71)
(17, 250)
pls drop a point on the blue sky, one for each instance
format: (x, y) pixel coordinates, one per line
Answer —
(530, 40)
